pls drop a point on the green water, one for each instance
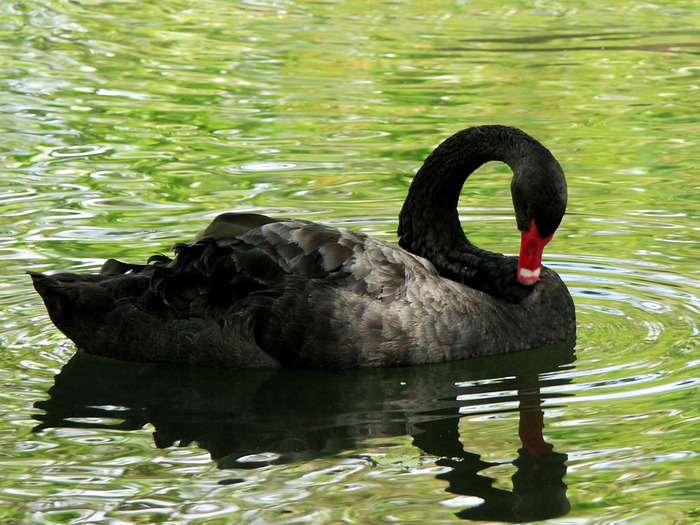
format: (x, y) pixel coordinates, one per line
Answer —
(127, 125)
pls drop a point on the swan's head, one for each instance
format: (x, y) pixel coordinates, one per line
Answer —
(539, 198)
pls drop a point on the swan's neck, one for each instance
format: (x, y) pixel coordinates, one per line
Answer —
(429, 223)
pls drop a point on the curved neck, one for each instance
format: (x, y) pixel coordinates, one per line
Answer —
(429, 223)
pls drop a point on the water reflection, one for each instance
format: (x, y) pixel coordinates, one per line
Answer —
(249, 419)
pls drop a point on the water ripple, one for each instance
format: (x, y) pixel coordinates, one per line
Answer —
(126, 125)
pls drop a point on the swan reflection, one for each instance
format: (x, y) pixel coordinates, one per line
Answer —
(248, 418)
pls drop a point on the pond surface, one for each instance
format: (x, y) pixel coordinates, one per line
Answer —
(126, 126)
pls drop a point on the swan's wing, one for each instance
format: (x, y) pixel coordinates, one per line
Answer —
(247, 293)
(230, 225)
(255, 258)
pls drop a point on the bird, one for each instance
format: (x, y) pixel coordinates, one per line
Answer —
(252, 291)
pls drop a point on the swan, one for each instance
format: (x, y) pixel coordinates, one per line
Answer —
(258, 292)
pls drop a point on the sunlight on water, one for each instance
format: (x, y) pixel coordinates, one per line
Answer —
(127, 126)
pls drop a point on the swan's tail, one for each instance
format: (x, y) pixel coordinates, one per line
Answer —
(65, 295)
(80, 304)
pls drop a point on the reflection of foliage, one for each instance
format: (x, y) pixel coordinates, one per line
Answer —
(402, 462)
(318, 113)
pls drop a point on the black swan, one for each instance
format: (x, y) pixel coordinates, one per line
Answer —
(257, 292)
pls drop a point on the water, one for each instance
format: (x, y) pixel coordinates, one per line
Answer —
(126, 126)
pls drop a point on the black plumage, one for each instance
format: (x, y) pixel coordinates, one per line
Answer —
(257, 292)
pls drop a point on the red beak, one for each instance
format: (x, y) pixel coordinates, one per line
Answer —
(530, 260)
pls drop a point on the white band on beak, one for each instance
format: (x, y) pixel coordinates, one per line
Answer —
(529, 277)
